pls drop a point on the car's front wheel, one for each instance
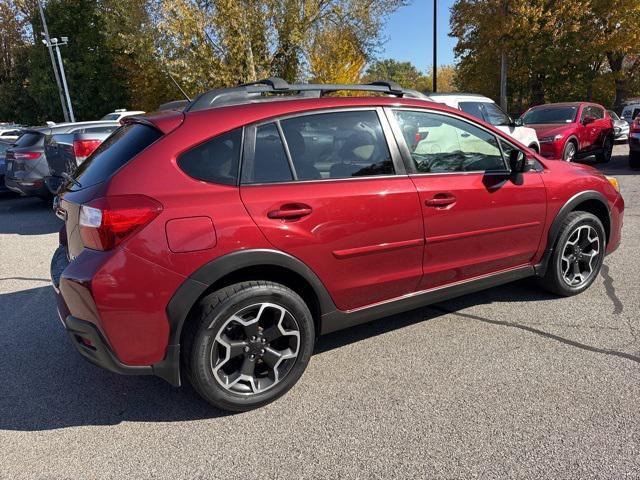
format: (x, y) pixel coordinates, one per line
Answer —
(577, 256)
(248, 344)
(569, 153)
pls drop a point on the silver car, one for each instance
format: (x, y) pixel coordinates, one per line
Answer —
(620, 127)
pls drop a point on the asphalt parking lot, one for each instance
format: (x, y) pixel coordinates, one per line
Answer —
(507, 383)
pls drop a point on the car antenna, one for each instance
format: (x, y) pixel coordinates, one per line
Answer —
(179, 87)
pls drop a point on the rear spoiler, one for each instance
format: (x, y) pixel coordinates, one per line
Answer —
(166, 121)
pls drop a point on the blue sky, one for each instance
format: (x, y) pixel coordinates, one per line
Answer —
(409, 34)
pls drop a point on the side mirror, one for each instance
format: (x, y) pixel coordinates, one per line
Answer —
(517, 161)
(588, 119)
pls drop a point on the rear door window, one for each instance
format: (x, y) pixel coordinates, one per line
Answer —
(117, 150)
(337, 145)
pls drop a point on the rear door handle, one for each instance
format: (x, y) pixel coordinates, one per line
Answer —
(290, 211)
(441, 200)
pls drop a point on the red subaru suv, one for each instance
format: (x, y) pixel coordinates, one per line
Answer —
(221, 240)
(570, 131)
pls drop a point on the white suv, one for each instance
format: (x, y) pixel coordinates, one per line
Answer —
(121, 113)
(486, 109)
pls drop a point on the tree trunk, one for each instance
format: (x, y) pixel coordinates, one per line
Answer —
(616, 61)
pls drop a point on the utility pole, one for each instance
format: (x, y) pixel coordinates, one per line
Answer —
(503, 65)
(435, 46)
(56, 44)
(53, 61)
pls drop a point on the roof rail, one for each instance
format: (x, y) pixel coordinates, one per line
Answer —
(274, 88)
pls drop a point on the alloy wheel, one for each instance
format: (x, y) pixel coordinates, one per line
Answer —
(570, 152)
(255, 348)
(580, 256)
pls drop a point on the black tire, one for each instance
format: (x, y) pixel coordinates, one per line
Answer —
(214, 313)
(607, 151)
(553, 279)
(569, 152)
(634, 159)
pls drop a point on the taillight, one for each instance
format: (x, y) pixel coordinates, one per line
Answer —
(636, 125)
(83, 148)
(26, 155)
(105, 222)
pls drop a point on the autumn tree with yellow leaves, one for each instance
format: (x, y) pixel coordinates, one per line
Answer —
(556, 49)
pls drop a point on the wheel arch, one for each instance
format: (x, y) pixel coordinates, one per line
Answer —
(590, 201)
(261, 264)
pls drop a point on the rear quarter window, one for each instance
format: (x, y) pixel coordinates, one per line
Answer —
(117, 150)
(215, 160)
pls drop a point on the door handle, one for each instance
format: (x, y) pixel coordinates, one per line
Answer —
(441, 200)
(290, 211)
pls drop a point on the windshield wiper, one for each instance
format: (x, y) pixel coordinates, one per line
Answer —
(69, 178)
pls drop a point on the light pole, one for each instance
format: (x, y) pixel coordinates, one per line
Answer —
(56, 44)
(47, 42)
(435, 46)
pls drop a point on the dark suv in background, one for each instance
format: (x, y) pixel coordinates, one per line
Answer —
(26, 164)
(221, 239)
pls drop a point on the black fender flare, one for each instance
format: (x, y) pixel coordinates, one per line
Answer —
(199, 281)
(566, 209)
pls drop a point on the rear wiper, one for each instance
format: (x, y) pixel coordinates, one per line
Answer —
(69, 178)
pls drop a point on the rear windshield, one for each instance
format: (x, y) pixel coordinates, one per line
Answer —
(124, 144)
(28, 139)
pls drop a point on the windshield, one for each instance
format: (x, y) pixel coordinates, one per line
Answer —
(111, 116)
(550, 115)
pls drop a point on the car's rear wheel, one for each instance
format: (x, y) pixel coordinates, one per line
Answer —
(634, 159)
(607, 151)
(569, 153)
(248, 345)
(577, 256)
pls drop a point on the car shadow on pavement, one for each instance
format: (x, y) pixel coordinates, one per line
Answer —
(46, 385)
(520, 291)
(23, 216)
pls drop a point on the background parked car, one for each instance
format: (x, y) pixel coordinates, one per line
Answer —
(66, 151)
(570, 131)
(634, 144)
(3, 165)
(121, 113)
(486, 109)
(630, 112)
(26, 163)
(10, 134)
(620, 126)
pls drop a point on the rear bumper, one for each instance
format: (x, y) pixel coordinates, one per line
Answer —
(26, 187)
(89, 340)
(90, 344)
